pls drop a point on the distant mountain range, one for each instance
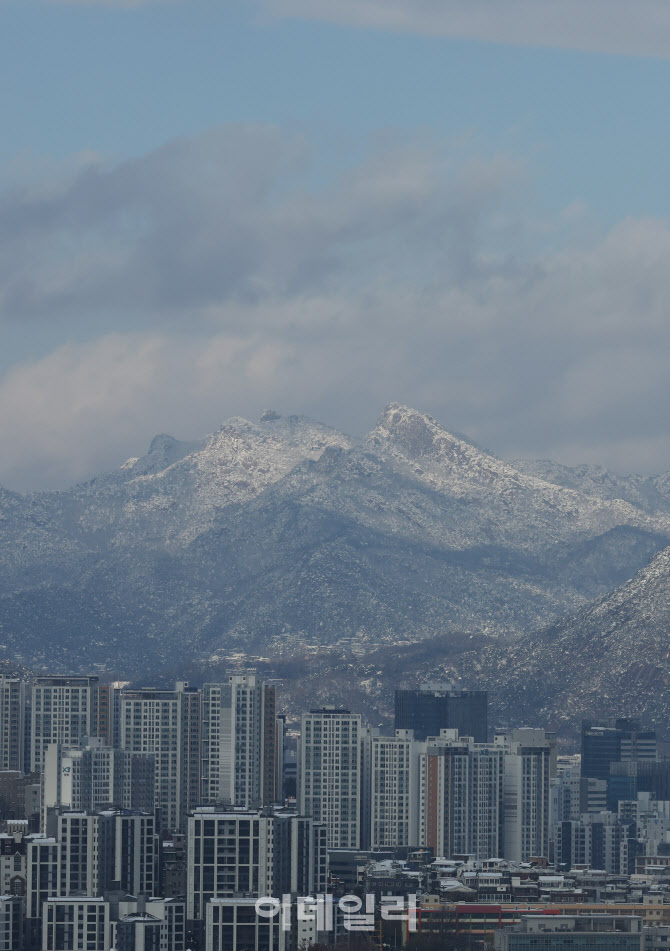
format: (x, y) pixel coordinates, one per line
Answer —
(285, 538)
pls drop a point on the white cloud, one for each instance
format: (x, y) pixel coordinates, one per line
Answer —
(608, 26)
(413, 276)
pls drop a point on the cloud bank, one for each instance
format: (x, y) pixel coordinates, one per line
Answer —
(603, 26)
(225, 273)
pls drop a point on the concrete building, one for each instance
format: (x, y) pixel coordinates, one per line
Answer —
(461, 796)
(301, 854)
(229, 853)
(573, 795)
(76, 924)
(253, 853)
(109, 712)
(172, 865)
(239, 742)
(42, 873)
(135, 852)
(592, 840)
(656, 938)
(12, 707)
(11, 923)
(562, 933)
(113, 920)
(394, 790)
(330, 774)
(20, 795)
(232, 924)
(138, 931)
(86, 852)
(13, 864)
(63, 710)
(166, 724)
(169, 912)
(529, 766)
(96, 776)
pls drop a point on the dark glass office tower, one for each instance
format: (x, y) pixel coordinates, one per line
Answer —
(615, 740)
(435, 706)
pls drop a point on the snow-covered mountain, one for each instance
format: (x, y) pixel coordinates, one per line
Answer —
(174, 492)
(269, 536)
(649, 493)
(611, 658)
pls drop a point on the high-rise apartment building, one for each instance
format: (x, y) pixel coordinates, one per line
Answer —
(43, 876)
(253, 853)
(170, 912)
(135, 852)
(529, 766)
(86, 852)
(109, 712)
(394, 790)
(12, 707)
(166, 724)
(301, 854)
(100, 923)
(95, 776)
(239, 742)
(442, 706)
(76, 924)
(461, 797)
(228, 853)
(63, 710)
(11, 923)
(232, 924)
(591, 840)
(330, 767)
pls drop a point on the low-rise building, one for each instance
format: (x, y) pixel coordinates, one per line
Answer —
(564, 933)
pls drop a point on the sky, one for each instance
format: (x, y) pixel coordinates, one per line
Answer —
(213, 207)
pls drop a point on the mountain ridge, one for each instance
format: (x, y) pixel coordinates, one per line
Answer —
(274, 535)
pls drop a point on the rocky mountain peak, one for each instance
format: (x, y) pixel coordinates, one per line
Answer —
(415, 431)
(162, 443)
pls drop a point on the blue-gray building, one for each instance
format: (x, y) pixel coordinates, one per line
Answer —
(571, 933)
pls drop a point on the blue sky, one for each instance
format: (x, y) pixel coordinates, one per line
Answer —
(498, 191)
(121, 81)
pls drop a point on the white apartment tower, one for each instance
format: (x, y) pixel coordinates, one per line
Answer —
(253, 853)
(12, 706)
(228, 853)
(330, 787)
(461, 799)
(166, 724)
(239, 742)
(394, 790)
(78, 924)
(63, 710)
(232, 924)
(529, 766)
(95, 776)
